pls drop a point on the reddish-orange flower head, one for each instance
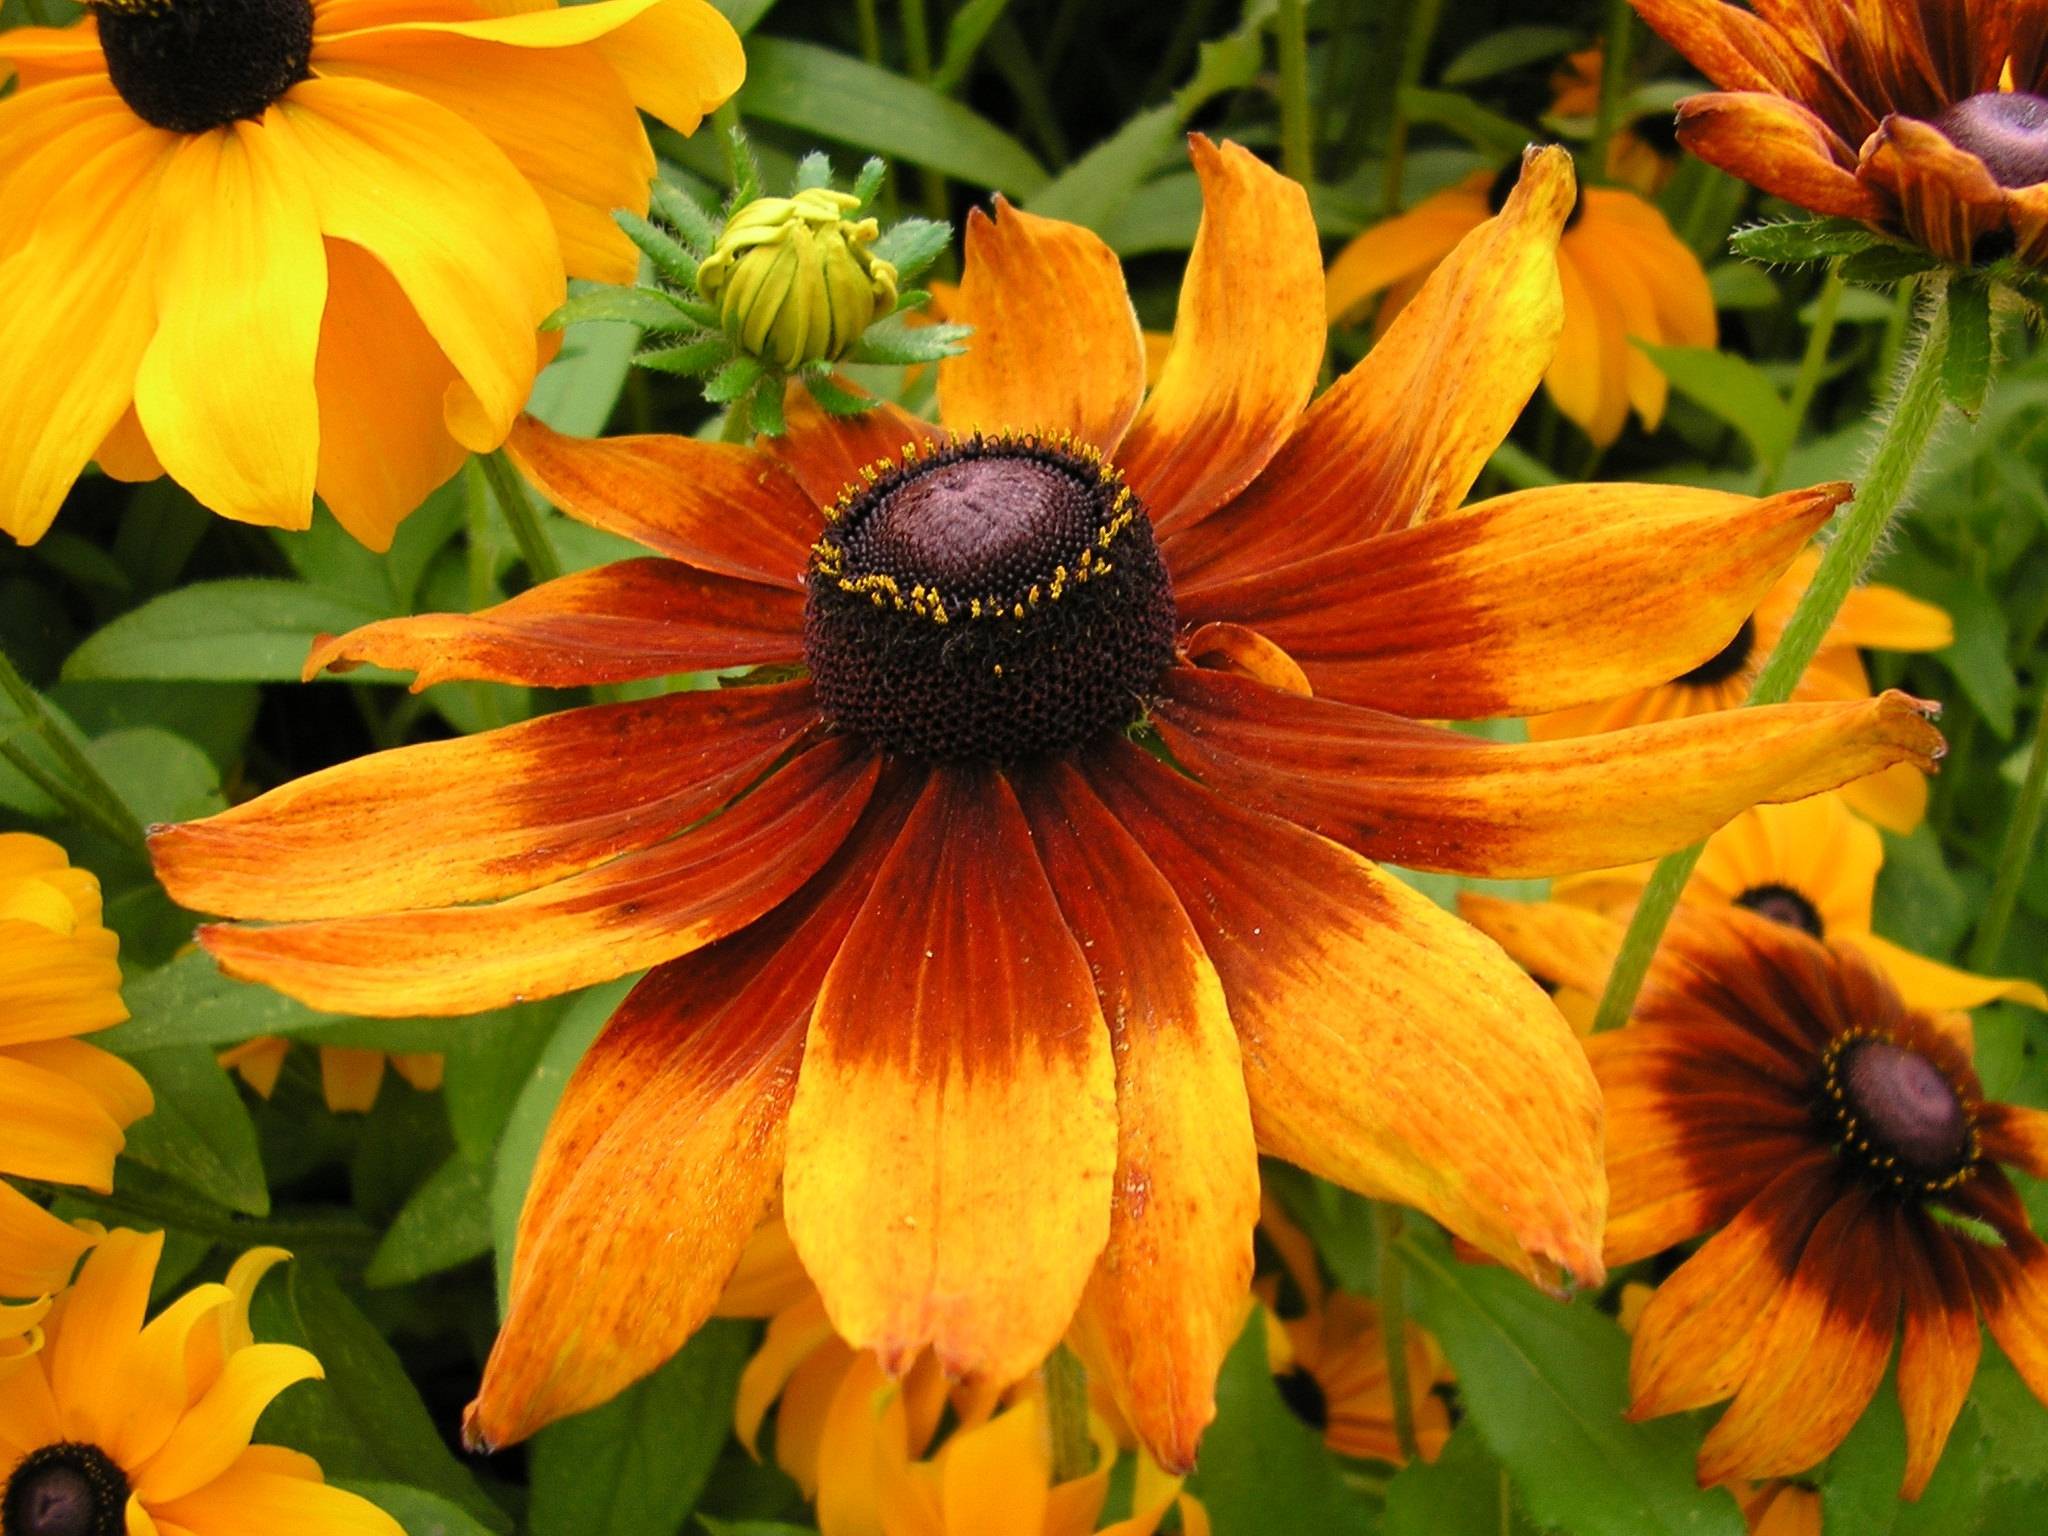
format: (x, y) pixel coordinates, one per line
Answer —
(1926, 118)
(1775, 1092)
(1003, 1004)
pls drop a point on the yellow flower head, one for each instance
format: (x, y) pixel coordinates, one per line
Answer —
(280, 247)
(793, 278)
(114, 1424)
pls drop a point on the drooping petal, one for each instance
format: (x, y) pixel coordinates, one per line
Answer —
(638, 910)
(1402, 436)
(1405, 246)
(37, 1251)
(1938, 1357)
(1429, 798)
(1055, 345)
(510, 809)
(1586, 377)
(953, 1135)
(717, 506)
(1167, 1297)
(664, 1155)
(215, 1430)
(1780, 146)
(1931, 985)
(1562, 947)
(58, 1128)
(1247, 342)
(1387, 1046)
(2011, 1286)
(1528, 602)
(93, 1330)
(263, 1493)
(617, 623)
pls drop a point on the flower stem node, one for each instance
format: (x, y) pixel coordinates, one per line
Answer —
(794, 279)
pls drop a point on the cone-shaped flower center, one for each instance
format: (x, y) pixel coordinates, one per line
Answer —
(1899, 1114)
(191, 65)
(65, 1490)
(1782, 904)
(2007, 130)
(995, 600)
(1726, 662)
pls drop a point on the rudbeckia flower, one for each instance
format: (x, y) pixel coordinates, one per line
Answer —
(1775, 1092)
(1642, 153)
(1812, 866)
(1626, 278)
(350, 1079)
(116, 1425)
(64, 1105)
(1927, 121)
(274, 247)
(1874, 617)
(1003, 1004)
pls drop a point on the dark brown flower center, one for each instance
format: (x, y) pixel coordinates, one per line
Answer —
(2007, 130)
(65, 1490)
(1899, 1114)
(192, 65)
(1301, 1392)
(995, 600)
(1724, 663)
(1782, 904)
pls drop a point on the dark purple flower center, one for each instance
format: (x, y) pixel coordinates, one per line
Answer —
(995, 600)
(1899, 1114)
(65, 1490)
(2007, 130)
(1782, 904)
(1724, 663)
(192, 65)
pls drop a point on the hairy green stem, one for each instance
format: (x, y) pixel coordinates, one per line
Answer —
(1827, 307)
(2022, 835)
(1393, 1303)
(1614, 57)
(1422, 23)
(81, 787)
(1297, 147)
(542, 562)
(1902, 443)
(1066, 1412)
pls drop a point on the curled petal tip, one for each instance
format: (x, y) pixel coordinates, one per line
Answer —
(474, 1440)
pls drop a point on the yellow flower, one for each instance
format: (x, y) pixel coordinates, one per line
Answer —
(116, 1425)
(1625, 278)
(63, 1104)
(1642, 153)
(274, 247)
(350, 1078)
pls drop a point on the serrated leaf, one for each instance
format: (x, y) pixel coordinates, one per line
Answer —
(733, 380)
(1966, 366)
(691, 359)
(746, 169)
(1791, 241)
(250, 630)
(446, 1223)
(648, 308)
(670, 259)
(912, 245)
(1731, 389)
(199, 1135)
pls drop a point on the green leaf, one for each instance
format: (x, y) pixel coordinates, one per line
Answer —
(1966, 366)
(364, 1421)
(1546, 1386)
(904, 344)
(419, 1512)
(159, 776)
(691, 359)
(1501, 138)
(1981, 658)
(1263, 1471)
(766, 408)
(678, 208)
(1789, 241)
(647, 307)
(846, 101)
(814, 170)
(912, 245)
(1860, 1483)
(1883, 265)
(1738, 285)
(199, 1135)
(1464, 1492)
(249, 630)
(733, 380)
(447, 1222)
(487, 1069)
(833, 399)
(671, 260)
(189, 1002)
(1731, 389)
(1509, 48)
(745, 15)
(636, 1466)
(752, 1527)
(964, 35)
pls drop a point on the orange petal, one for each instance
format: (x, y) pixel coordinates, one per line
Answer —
(510, 809)
(1247, 341)
(2017, 1135)
(825, 453)
(1561, 946)
(953, 1136)
(1388, 1047)
(1167, 1298)
(1780, 146)
(1055, 345)
(1428, 798)
(638, 910)
(1938, 1359)
(716, 506)
(1404, 247)
(1402, 436)
(1527, 602)
(2011, 1285)
(1947, 198)
(635, 619)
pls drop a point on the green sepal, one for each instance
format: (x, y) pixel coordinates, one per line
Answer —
(767, 408)
(893, 342)
(678, 209)
(833, 400)
(674, 263)
(1966, 366)
(913, 245)
(647, 307)
(1791, 242)
(693, 359)
(733, 380)
(868, 184)
(1884, 264)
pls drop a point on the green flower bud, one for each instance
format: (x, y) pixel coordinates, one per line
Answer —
(794, 280)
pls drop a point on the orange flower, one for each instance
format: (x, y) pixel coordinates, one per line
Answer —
(1642, 153)
(350, 1079)
(1625, 278)
(1928, 121)
(1776, 1092)
(1874, 617)
(988, 991)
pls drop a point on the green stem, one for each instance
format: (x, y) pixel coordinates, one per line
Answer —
(82, 787)
(2022, 835)
(1812, 364)
(1393, 1303)
(1422, 24)
(542, 563)
(868, 21)
(1902, 442)
(1297, 149)
(1614, 59)
(1066, 1412)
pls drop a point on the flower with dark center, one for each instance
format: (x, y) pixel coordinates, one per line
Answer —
(287, 251)
(1929, 122)
(1774, 1095)
(156, 1417)
(1622, 272)
(1069, 728)
(1782, 904)
(1725, 663)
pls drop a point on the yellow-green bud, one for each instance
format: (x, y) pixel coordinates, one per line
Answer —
(794, 280)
